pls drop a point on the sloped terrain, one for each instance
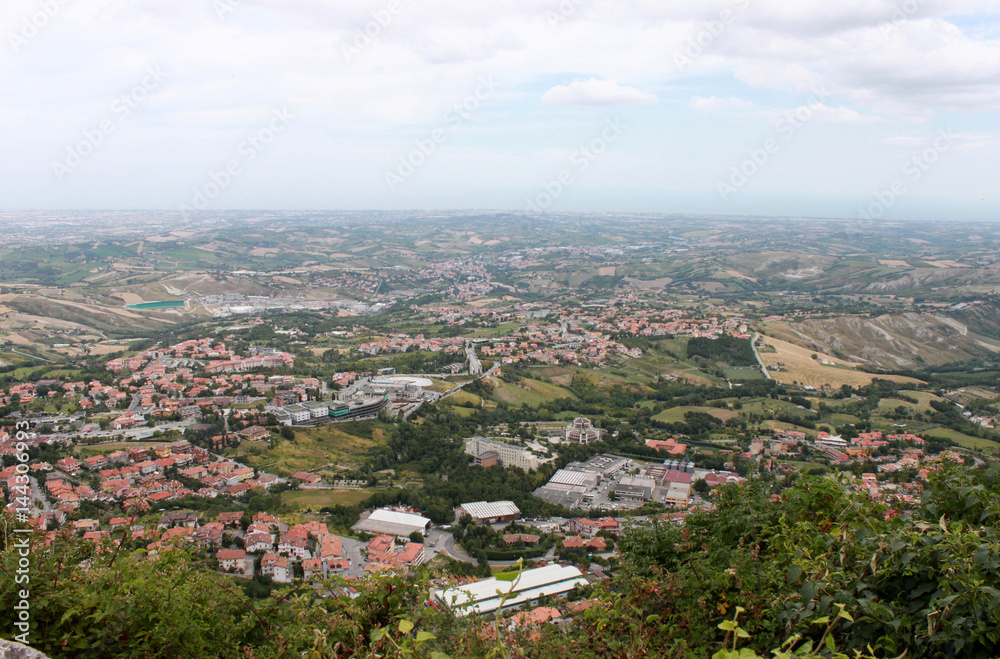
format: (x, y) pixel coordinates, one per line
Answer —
(908, 340)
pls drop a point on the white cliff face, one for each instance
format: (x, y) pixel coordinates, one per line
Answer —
(13, 650)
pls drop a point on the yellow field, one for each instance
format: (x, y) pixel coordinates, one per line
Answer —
(802, 368)
(104, 349)
(130, 298)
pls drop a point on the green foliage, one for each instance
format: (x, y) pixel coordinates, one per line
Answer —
(925, 583)
(725, 350)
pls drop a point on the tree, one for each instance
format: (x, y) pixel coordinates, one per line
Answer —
(701, 486)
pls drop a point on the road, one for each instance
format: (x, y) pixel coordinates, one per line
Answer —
(445, 543)
(753, 344)
(39, 496)
(475, 366)
(351, 550)
(25, 354)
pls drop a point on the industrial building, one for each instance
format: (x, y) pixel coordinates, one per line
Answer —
(605, 464)
(486, 596)
(569, 486)
(635, 488)
(392, 522)
(489, 512)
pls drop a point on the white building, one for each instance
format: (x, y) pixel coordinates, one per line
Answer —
(276, 567)
(482, 596)
(507, 454)
(298, 413)
(393, 522)
(317, 409)
(490, 512)
(581, 431)
(836, 441)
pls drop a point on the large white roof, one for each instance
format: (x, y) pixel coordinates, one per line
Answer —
(482, 596)
(398, 517)
(484, 509)
(567, 477)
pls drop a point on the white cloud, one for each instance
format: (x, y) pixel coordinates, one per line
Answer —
(596, 93)
(875, 61)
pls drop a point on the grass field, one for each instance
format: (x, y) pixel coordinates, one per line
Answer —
(532, 392)
(743, 373)
(838, 419)
(116, 446)
(801, 368)
(316, 499)
(462, 398)
(313, 448)
(760, 405)
(924, 398)
(963, 440)
(675, 414)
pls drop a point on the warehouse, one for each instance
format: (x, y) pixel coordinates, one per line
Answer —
(483, 597)
(489, 512)
(392, 522)
(635, 488)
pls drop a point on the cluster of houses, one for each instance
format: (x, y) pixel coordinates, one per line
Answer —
(403, 342)
(556, 344)
(835, 447)
(137, 478)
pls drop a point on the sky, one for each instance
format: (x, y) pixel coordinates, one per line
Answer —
(873, 109)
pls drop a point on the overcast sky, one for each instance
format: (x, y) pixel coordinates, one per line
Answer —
(853, 108)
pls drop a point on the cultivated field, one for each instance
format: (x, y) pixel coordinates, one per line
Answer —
(801, 368)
